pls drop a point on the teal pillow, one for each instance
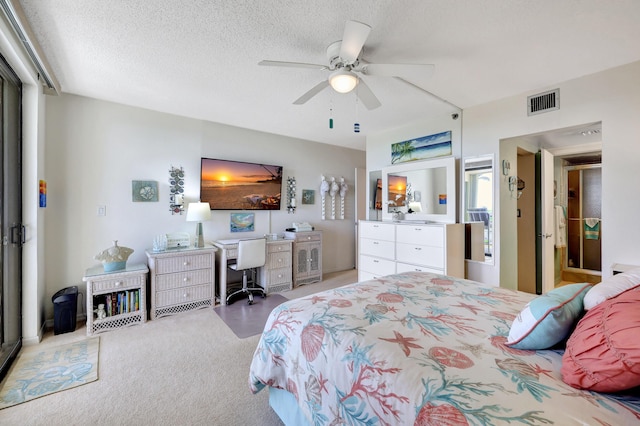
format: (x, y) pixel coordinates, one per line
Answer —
(549, 318)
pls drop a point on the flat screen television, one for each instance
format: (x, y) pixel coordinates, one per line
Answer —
(238, 185)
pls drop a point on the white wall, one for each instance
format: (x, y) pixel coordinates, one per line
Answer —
(95, 149)
(612, 97)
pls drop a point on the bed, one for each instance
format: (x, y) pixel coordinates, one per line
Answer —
(418, 348)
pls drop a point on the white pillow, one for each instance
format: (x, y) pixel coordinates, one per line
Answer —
(611, 287)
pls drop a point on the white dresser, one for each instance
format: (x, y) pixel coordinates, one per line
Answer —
(387, 248)
(181, 280)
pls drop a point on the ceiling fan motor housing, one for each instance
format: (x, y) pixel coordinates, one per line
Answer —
(335, 61)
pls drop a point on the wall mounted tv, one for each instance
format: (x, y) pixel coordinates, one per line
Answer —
(237, 185)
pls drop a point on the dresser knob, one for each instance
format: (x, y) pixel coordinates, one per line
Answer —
(279, 260)
(185, 264)
(118, 283)
(185, 279)
(185, 295)
(280, 276)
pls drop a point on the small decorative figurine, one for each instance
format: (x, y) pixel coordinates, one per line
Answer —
(102, 314)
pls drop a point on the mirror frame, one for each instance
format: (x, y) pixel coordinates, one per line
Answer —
(490, 260)
(449, 163)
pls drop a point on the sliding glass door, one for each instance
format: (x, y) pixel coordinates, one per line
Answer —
(10, 216)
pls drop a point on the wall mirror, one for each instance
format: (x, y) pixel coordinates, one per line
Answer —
(420, 191)
(478, 205)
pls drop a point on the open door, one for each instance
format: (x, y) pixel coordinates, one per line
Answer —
(544, 222)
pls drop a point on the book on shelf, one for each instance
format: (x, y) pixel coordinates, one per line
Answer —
(117, 303)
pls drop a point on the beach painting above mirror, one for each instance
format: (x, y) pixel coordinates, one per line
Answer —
(437, 145)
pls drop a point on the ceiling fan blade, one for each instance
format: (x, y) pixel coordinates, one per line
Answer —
(366, 96)
(292, 65)
(398, 70)
(355, 34)
(311, 93)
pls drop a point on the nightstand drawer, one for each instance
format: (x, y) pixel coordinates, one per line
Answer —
(183, 263)
(183, 279)
(116, 284)
(183, 295)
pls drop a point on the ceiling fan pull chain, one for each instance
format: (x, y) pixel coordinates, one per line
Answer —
(356, 125)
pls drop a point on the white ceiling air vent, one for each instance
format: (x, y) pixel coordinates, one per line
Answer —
(543, 102)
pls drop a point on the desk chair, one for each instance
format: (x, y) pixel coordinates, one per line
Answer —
(251, 255)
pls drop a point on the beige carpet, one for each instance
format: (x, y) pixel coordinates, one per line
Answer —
(187, 369)
(39, 372)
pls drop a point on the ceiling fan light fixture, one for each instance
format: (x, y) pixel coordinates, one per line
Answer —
(343, 81)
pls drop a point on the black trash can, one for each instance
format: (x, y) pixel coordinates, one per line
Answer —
(65, 308)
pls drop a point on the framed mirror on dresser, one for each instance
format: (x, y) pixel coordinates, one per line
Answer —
(420, 191)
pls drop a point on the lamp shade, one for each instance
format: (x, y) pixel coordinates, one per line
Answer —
(343, 81)
(198, 212)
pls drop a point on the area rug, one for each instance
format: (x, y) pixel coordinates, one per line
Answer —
(248, 320)
(40, 372)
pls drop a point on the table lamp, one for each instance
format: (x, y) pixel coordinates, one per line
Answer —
(198, 212)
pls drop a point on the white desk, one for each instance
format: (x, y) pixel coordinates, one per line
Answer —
(275, 275)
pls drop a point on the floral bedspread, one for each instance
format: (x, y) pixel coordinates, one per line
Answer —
(423, 349)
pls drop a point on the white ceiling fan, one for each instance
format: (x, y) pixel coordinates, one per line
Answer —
(347, 66)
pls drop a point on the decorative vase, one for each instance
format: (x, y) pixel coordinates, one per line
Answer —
(114, 258)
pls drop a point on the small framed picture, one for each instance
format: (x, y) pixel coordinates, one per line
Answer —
(242, 222)
(308, 196)
(144, 190)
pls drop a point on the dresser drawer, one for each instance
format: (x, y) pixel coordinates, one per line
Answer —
(116, 284)
(422, 235)
(183, 295)
(405, 267)
(183, 263)
(377, 266)
(311, 236)
(278, 247)
(420, 255)
(379, 248)
(279, 260)
(183, 279)
(279, 276)
(377, 231)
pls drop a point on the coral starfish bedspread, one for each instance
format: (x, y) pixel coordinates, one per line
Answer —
(423, 349)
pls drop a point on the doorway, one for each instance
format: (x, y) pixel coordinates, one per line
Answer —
(580, 260)
(10, 217)
(557, 145)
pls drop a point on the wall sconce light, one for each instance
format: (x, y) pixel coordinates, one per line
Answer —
(198, 212)
(176, 190)
(291, 195)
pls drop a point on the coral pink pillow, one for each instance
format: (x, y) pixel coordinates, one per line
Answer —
(603, 352)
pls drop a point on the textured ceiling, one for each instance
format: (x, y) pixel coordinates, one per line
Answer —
(198, 58)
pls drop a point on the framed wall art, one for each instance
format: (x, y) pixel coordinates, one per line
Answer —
(308, 196)
(436, 145)
(144, 190)
(242, 222)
